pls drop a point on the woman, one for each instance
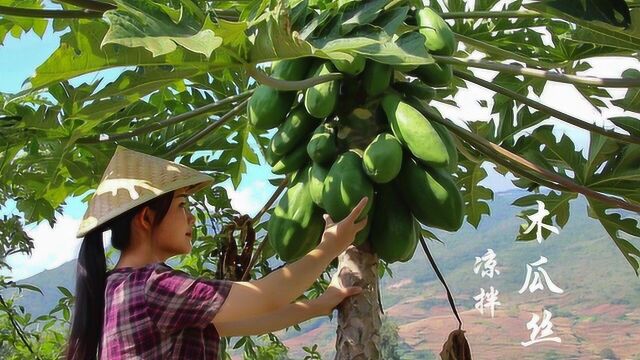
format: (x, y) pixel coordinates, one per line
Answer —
(144, 309)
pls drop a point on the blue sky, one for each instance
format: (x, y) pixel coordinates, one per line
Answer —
(53, 247)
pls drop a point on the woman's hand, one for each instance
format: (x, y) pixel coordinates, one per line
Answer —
(336, 292)
(344, 232)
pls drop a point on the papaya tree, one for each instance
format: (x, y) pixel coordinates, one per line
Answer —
(341, 100)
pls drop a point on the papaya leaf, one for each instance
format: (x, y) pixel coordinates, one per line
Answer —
(161, 33)
(610, 19)
(557, 205)
(475, 196)
(135, 84)
(561, 155)
(361, 15)
(631, 101)
(80, 53)
(631, 125)
(615, 225)
(612, 12)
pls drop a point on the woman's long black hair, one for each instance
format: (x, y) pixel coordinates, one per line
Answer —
(87, 319)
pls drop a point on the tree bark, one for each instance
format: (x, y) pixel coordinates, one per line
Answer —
(358, 333)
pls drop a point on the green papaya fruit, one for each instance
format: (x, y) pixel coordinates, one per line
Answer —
(352, 68)
(295, 129)
(393, 233)
(292, 161)
(269, 156)
(436, 75)
(317, 174)
(382, 159)
(363, 234)
(405, 68)
(320, 100)
(416, 89)
(442, 130)
(432, 195)
(376, 77)
(417, 133)
(345, 185)
(322, 147)
(439, 38)
(268, 107)
(297, 225)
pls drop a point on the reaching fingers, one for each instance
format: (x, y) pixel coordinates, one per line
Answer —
(358, 209)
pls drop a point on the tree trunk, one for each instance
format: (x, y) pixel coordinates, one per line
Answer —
(359, 316)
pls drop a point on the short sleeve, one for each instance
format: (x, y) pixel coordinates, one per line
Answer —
(177, 300)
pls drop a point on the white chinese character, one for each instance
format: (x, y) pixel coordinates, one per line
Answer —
(491, 300)
(537, 220)
(545, 326)
(536, 283)
(490, 264)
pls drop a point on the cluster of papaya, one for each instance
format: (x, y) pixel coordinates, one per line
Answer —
(405, 168)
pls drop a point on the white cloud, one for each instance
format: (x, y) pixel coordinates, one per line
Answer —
(52, 248)
(249, 199)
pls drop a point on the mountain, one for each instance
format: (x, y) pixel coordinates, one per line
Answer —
(596, 316)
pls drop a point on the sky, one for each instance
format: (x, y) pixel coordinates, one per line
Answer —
(58, 245)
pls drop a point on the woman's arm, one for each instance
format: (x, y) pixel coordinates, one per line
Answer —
(249, 299)
(288, 315)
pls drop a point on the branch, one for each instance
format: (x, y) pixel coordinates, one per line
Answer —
(495, 50)
(258, 252)
(52, 14)
(490, 14)
(89, 4)
(287, 85)
(497, 152)
(552, 76)
(632, 139)
(189, 142)
(167, 122)
(17, 327)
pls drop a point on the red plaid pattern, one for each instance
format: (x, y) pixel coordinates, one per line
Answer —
(156, 312)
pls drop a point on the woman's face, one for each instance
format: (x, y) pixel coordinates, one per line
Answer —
(173, 234)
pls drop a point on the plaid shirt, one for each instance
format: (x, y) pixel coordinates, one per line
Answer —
(156, 312)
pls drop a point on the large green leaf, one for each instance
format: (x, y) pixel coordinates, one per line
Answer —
(557, 205)
(615, 225)
(475, 196)
(159, 29)
(631, 101)
(80, 53)
(598, 16)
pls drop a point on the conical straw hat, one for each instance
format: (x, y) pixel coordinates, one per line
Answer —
(133, 178)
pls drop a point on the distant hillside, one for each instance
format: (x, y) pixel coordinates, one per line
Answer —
(597, 314)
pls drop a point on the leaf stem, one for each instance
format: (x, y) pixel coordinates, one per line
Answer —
(490, 14)
(552, 76)
(495, 50)
(287, 85)
(167, 122)
(267, 205)
(632, 139)
(192, 140)
(500, 154)
(90, 4)
(16, 326)
(51, 14)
